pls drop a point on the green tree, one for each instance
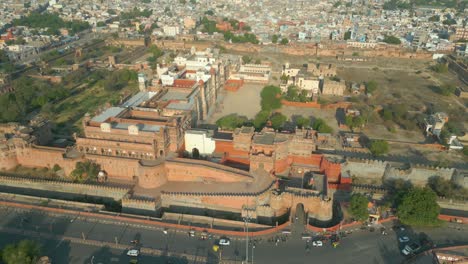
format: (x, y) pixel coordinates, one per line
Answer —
(209, 12)
(378, 147)
(231, 121)
(358, 207)
(447, 89)
(284, 78)
(274, 39)
(371, 86)
(435, 18)
(447, 188)
(261, 119)
(355, 121)
(396, 189)
(284, 41)
(86, 171)
(465, 151)
(25, 252)
(440, 68)
(419, 207)
(101, 24)
(320, 126)
(392, 40)
(278, 120)
(347, 35)
(302, 122)
(246, 59)
(292, 94)
(270, 98)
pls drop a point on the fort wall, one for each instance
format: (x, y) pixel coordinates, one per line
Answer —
(40, 157)
(204, 171)
(370, 171)
(115, 193)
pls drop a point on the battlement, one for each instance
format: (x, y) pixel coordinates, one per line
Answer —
(367, 161)
(67, 187)
(217, 194)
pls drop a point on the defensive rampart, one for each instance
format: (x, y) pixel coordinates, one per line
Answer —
(115, 193)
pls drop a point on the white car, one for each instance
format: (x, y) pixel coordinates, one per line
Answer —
(133, 253)
(317, 243)
(403, 239)
(224, 242)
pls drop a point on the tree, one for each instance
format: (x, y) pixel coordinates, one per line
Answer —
(302, 122)
(270, 97)
(274, 39)
(284, 78)
(446, 89)
(284, 41)
(261, 119)
(378, 147)
(354, 121)
(246, 59)
(440, 68)
(209, 12)
(419, 207)
(435, 18)
(86, 171)
(358, 207)
(101, 24)
(392, 40)
(278, 120)
(371, 86)
(347, 35)
(320, 126)
(231, 121)
(25, 252)
(396, 189)
(447, 188)
(292, 94)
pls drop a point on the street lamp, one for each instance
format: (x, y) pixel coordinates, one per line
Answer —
(253, 247)
(246, 219)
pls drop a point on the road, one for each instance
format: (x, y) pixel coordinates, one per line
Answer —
(359, 247)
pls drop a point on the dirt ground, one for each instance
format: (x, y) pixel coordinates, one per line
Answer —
(400, 81)
(244, 102)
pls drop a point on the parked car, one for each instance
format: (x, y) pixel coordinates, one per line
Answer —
(133, 253)
(403, 239)
(224, 241)
(191, 233)
(411, 248)
(317, 243)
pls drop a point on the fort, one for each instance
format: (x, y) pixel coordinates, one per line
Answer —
(150, 144)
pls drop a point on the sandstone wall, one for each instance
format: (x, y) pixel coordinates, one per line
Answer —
(8, 160)
(115, 193)
(41, 157)
(371, 171)
(419, 175)
(151, 177)
(202, 171)
(121, 168)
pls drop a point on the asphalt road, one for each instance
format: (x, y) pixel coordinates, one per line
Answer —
(359, 247)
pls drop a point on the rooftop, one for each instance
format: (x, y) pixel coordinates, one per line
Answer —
(141, 127)
(108, 113)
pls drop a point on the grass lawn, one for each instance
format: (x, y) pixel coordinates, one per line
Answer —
(67, 114)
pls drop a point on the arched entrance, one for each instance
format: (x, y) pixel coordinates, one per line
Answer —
(300, 214)
(195, 153)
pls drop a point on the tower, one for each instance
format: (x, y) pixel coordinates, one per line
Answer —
(142, 81)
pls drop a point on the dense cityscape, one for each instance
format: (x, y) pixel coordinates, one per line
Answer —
(213, 131)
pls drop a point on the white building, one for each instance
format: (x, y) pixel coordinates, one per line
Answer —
(200, 140)
(171, 31)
